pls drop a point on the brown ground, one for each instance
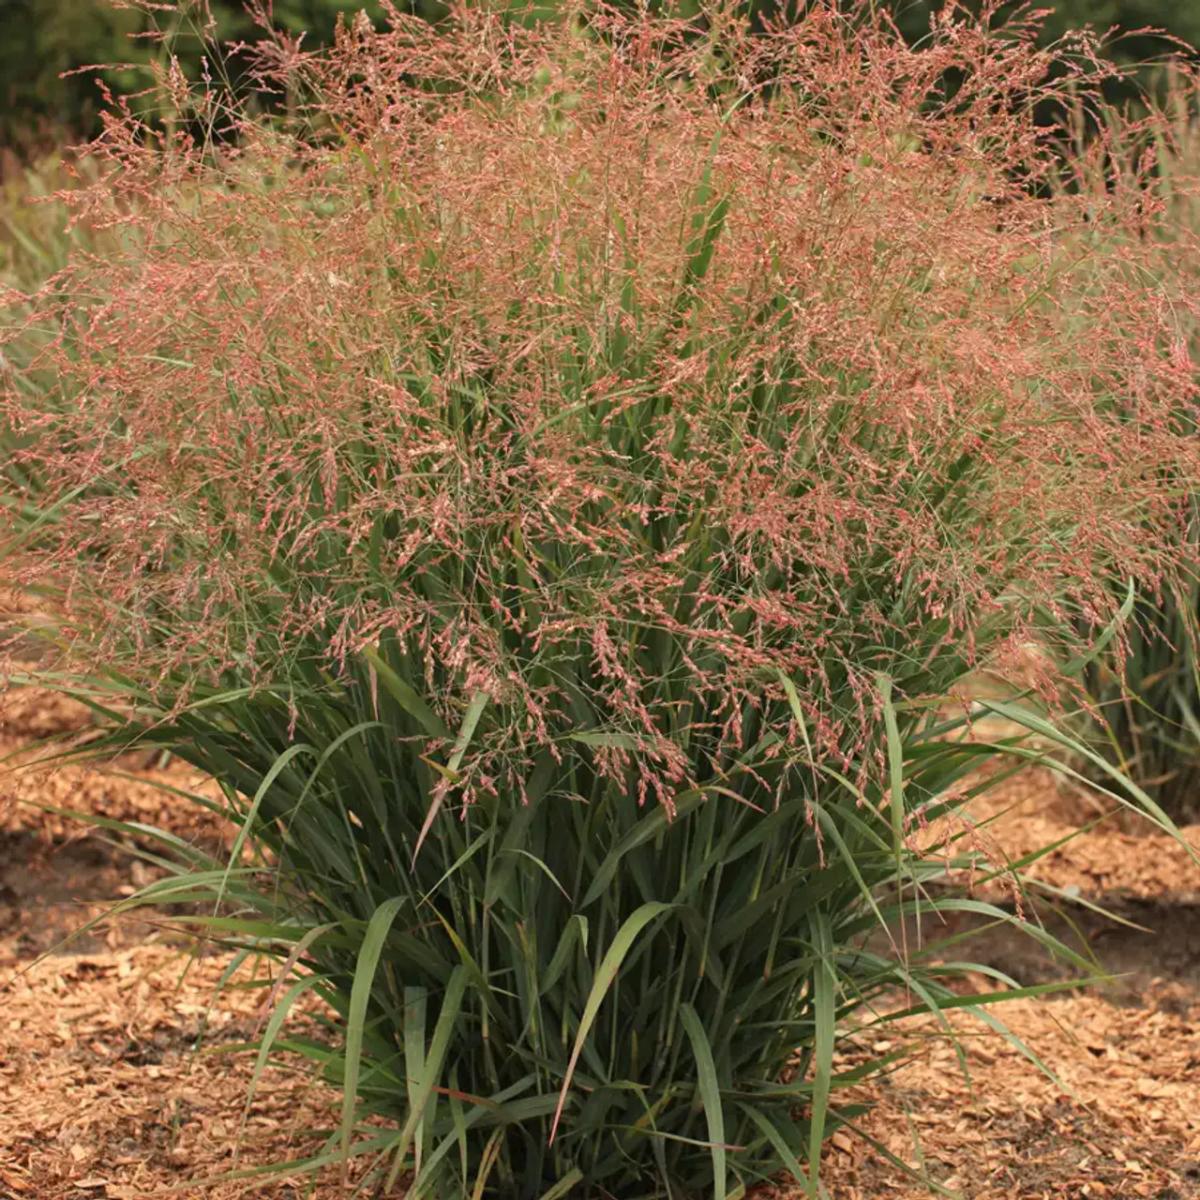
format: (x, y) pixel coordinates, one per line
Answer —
(104, 1094)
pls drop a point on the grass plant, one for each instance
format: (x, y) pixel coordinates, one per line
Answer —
(1148, 690)
(557, 481)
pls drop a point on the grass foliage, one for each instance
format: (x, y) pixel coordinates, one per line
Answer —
(1150, 715)
(571, 990)
(1148, 696)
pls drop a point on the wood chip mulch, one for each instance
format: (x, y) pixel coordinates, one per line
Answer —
(1120, 1119)
(105, 1096)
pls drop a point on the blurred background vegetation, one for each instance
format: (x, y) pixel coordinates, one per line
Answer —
(44, 97)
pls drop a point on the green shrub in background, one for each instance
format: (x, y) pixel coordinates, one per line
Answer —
(1131, 16)
(42, 39)
(556, 486)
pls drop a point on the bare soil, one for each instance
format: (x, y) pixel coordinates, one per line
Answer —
(120, 1074)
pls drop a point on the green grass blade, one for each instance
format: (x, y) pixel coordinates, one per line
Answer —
(406, 696)
(609, 966)
(360, 996)
(431, 1067)
(824, 1025)
(277, 768)
(563, 1187)
(786, 1154)
(895, 755)
(710, 1094)
(465, 733)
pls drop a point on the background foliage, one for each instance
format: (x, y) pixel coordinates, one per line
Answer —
(45, 38)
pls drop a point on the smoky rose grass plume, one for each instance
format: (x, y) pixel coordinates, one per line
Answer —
(613, 369)
(553, 479)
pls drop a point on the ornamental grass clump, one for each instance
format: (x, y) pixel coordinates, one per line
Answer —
(1147, 691)
(556, 479)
